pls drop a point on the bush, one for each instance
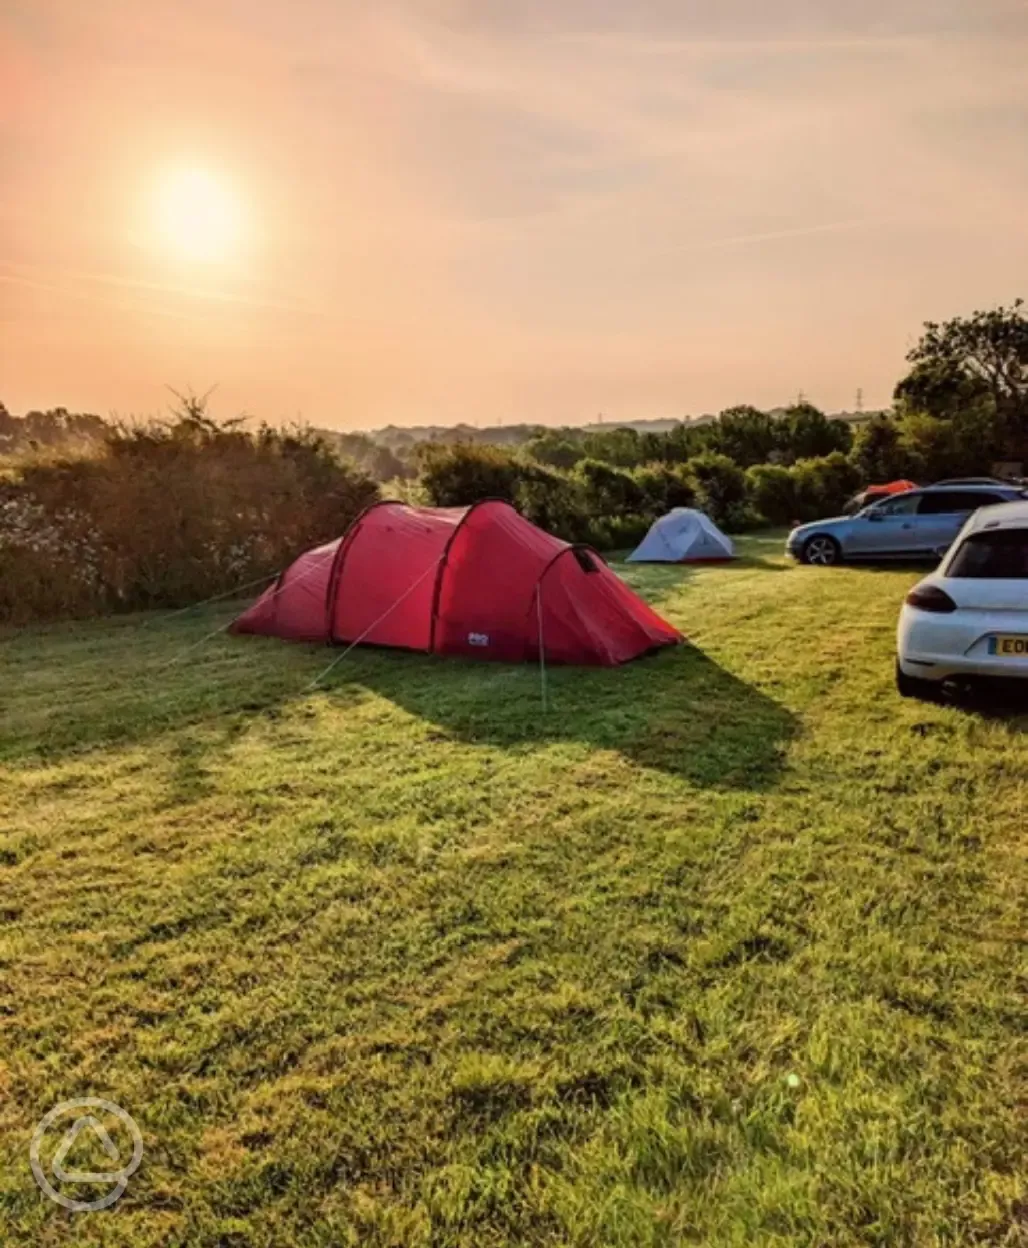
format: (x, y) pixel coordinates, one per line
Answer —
(553, 501)
(742, 518)
(772, 493)
(961, 446)
(459, 474)
(809, 490)
(167, 515)
(555, 449)
(607, 491)
(824, 486)
(878, 453)
(614, 445)
(663, 487)
(745, 434)
(806, 433)
(719, 484)
(617, 532)
(381, 463)
(595, 503)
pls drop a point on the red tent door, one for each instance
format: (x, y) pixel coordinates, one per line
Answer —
(587, 614)
(487, 585)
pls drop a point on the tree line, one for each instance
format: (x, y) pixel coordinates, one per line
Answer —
(961, 410)
(102, 516)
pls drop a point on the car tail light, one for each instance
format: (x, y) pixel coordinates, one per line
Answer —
(930, 598)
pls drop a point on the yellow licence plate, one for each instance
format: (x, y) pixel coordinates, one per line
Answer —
(1009, 646)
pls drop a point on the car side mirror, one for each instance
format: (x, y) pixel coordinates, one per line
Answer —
(940, 552)
(875, 516)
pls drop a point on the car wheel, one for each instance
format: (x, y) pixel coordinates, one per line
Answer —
(916, 687)
(822, 551)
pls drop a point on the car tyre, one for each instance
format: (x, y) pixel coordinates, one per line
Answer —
(822, 551)
(916, 686)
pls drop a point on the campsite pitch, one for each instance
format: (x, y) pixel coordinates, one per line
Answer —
(723, 950)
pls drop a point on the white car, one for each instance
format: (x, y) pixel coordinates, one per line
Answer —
(969, 619)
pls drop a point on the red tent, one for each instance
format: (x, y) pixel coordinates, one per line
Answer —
(893, 487)
(479, 581)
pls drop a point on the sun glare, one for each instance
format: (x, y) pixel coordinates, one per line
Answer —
(198, 216)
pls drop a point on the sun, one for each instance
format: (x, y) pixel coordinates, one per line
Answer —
(198, 216)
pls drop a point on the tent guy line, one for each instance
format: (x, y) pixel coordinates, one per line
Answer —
(542, 646)
(206, 602)
(271, 594)
(356, 642)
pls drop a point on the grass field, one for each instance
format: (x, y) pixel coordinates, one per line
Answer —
(723, 950)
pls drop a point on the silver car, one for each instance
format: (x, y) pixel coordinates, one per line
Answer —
(918, 524)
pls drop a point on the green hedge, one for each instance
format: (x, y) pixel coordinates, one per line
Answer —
(167, 515)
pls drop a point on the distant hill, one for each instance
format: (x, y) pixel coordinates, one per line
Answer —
(641, 426)
(397, 437)
(374, 449)
(858, 418)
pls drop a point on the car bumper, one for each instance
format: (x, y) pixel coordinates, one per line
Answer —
(948, 647)
(946, 667)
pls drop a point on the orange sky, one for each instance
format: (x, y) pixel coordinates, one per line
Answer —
(490, 210)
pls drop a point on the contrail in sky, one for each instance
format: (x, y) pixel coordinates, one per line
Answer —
(25, 278)
(801, 231)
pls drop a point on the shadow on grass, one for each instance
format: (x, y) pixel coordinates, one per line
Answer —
(657, 581)
(1004, 701)
(924, 566)
(100, 686)
(676, 711)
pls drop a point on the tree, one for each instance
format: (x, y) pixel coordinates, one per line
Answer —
(683, 442)
(651, 447)
(454, 476)
(772, 491)
(804, 432)
(616, 445)
(720, 486)
(878, 453)
(745, 434)
(824, 484)
(939, 388)
(557, 448)
(664, 486)
(379, 461)
(958, 362)
(609, 491)
(552, 501)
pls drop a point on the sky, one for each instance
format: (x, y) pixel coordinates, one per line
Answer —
(360, 213)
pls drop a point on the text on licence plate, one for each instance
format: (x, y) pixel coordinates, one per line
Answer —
(1008, 645)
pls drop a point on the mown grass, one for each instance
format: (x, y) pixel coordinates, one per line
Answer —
(723, 950)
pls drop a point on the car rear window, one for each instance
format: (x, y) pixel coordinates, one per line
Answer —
(1001, 555)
